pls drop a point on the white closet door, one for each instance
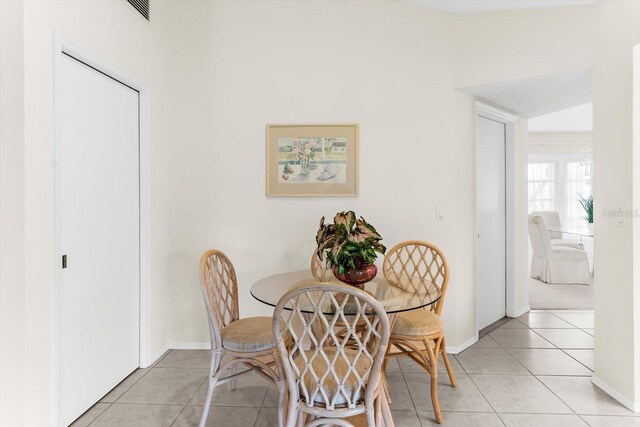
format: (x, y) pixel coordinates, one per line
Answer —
(97, 210)
(491, 208)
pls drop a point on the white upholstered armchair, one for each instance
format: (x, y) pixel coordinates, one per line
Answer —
(552, 219)
(553, 263)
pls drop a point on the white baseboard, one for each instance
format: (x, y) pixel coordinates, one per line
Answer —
(462, 347)
(520, 311)
(179, 346)
(190, 346)
(629, 404)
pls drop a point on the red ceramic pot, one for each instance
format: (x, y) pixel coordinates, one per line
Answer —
(358, 276)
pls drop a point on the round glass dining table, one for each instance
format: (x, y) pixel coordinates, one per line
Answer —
(400, 294)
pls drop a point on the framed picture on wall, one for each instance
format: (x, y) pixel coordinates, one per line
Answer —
(312, 160)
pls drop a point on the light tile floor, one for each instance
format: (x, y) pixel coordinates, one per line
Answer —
(532, 371)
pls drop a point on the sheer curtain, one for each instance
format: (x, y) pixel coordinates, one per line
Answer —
(556, 184)
(542, 186)
(578, 184)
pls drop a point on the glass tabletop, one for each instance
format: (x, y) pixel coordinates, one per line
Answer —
(583, 232)
(400, 294)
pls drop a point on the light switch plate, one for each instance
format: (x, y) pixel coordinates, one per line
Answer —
(620, 217)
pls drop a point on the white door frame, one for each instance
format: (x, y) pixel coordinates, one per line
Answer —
(511, 165)
(634, 406)
(60, 48)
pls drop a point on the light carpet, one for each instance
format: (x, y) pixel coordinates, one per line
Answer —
(560, 297)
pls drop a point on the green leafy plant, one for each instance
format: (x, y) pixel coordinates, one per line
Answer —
(587, 205)
(348, 242)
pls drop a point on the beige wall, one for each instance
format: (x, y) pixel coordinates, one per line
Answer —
(502, 46)
(612, 147)
(318, 62)
(522, 211)
(548, 41)
(219, 71)
(12, 296)
(636, 205)
(112, 33)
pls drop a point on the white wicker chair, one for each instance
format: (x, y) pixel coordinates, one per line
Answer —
(244, 340)
(331, 377)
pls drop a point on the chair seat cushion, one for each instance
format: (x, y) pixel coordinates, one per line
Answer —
(349, 380)
(417, 323)
(575, 244)
(564, 252)
(249, 335)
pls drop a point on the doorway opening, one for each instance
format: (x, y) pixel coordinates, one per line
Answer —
(560, 203)
(542, 193)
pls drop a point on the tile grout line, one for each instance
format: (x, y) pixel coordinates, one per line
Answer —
(538, 379)
(264, 399)
(190, 399)
(501, 419)
(428, 376)
(186, 368)
(544, 385)
(564, 320)
(557, 317)
(584, 421)
(403, 376)
(481, 393)
(580, 416)
(563, 349)
(99, 415)
(129, 388)
(521, 322)
(147, 403)
(110, 404)
(532, 330)
(178, 415)
(413, 403)
(545, 375)
(164, 356)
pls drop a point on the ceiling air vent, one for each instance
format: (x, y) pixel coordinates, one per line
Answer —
(141, 6)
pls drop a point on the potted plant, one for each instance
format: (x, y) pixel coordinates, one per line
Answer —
(587, 205)
(350, 247)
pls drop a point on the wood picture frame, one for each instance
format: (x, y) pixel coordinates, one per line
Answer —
(312, 160)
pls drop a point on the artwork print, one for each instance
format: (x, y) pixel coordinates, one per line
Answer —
(312, 160)
(307, 160)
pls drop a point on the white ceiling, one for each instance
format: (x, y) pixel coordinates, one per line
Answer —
(574, 119)
(470, 6)
(535, 96)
